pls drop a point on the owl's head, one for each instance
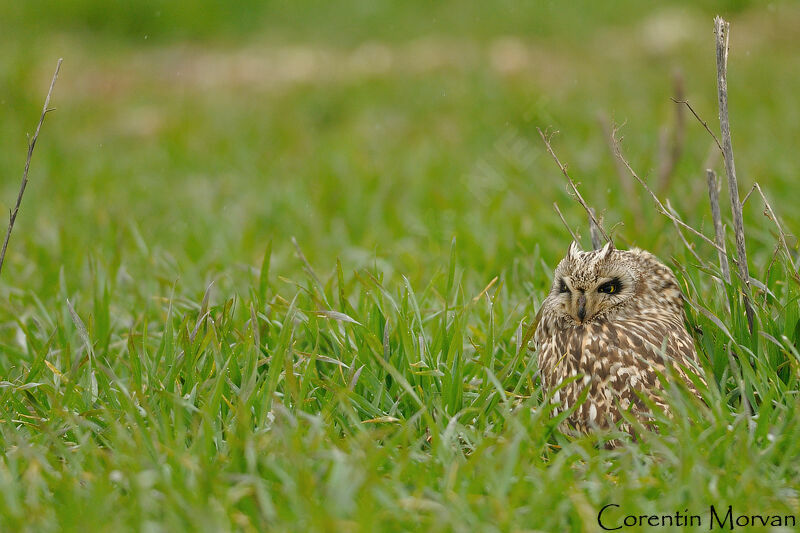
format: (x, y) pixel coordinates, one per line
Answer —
(588, 285)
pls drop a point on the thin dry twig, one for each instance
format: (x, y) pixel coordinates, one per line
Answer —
(686, 243)
(719, 230)
(670, 152)
(581, 201)
(703, 122)
(770, 214)
(661, 208)
(12, 216)
(747, 196)
(722, 34)
(594, 231)
(622, 174)
(772, 261)
(564, 221)
(624, 179)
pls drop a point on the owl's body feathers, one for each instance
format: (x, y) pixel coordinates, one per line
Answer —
(613, 321)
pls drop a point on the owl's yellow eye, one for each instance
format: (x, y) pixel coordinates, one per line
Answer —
(610, 287)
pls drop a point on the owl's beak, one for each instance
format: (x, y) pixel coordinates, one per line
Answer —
(582, 307)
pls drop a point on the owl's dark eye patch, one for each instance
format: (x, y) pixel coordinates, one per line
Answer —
(562, 287)
(610, 287)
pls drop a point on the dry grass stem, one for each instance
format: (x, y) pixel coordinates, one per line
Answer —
(12, 216)
(661, 208)
(703, 122)
(594, 231)
(772, 260)
(622, 174)
(686, 243)
(770, 214)
(575, 190)
(719, 230)
(564, 221)
(722, 33)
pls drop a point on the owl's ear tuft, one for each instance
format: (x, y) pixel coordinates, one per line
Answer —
(606, 250)
(574, 249)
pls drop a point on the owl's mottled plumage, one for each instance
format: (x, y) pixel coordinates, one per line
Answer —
(615, 319)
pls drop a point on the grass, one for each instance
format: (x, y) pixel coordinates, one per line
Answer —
(255, 297)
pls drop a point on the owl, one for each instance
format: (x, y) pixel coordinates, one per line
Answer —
(612, 322)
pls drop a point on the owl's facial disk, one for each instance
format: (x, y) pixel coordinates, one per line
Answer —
(584, 301)
(588, 284)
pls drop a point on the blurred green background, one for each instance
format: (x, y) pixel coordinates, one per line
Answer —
(201, 130)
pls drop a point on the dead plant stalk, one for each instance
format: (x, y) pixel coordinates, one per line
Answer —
(722, 33)
(12, 216)
(589, 211)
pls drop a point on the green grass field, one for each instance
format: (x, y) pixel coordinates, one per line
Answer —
(170, 359)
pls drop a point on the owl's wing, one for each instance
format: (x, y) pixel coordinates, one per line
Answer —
(634, 353)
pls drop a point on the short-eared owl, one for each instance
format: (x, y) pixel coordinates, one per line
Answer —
(613, 319)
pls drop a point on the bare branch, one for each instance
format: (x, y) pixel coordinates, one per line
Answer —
(747, 196)
(722, 33)
(703, 122)
(772, 261)
(581, 201)
(719, 230)
(594, 231)
(663, 210)
(622, 174)
(686, 243)
(31, 145)
(770, 214)
(624, 179)
(564, 221)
